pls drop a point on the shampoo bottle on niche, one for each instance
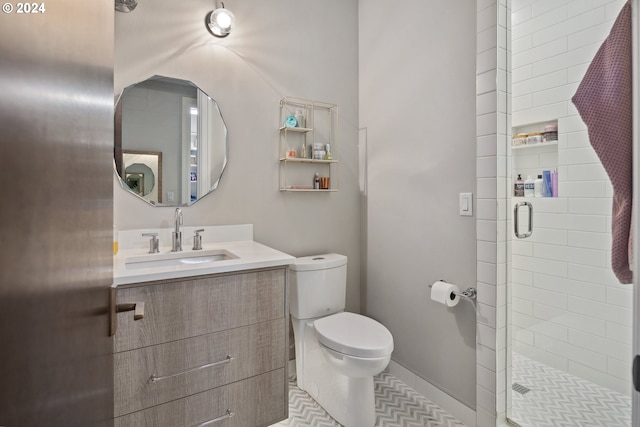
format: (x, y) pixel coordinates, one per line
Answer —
(547, 185)
(529, 187)
(538, 187)
(518, 187)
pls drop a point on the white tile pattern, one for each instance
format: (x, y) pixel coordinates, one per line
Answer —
(491, 123)
(397, 405)
(559, 399)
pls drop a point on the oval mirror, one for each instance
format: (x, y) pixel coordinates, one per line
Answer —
(170, 141)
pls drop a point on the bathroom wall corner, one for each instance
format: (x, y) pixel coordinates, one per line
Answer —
(453, 406)
(420, 124)
(491, 132)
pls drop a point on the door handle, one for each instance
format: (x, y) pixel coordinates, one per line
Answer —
(636, 372)
(136, 307)
(516, 220)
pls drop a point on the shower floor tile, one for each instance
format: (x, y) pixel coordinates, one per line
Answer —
(559, 399)
(397, 405)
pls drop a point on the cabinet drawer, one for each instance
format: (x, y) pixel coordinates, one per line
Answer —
(187, 308)
(255, 402)
(193, 365)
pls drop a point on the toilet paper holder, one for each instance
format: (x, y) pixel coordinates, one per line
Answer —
(469, 293)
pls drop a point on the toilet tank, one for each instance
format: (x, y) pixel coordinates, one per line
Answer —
(318, 285)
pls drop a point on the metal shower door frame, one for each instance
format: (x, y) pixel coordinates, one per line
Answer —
(636, 195)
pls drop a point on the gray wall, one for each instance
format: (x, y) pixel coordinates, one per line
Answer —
(286, 48)
(417, 103)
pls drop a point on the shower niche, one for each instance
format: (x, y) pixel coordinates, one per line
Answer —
(534, 150)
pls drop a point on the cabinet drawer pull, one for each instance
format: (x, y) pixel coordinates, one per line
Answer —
(155, 378)
(227, 414)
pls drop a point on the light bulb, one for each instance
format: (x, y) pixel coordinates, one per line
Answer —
(221, 22)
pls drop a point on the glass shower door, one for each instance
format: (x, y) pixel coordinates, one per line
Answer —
(569, 320)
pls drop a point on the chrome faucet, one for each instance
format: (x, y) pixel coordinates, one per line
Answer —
(176, 241)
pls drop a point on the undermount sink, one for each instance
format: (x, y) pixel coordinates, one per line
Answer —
(195, 258)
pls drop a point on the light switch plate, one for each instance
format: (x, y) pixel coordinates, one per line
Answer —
(466, 204)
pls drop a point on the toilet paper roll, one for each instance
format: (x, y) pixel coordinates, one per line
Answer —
(445, 293)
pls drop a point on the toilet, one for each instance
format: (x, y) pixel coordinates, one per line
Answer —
(337, 352)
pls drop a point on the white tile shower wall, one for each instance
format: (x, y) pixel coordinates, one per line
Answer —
(491, 221)
(568, 311)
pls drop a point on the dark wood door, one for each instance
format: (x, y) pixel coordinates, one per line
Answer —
(56, 141)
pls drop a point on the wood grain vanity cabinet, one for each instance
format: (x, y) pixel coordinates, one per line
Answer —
(209, 351)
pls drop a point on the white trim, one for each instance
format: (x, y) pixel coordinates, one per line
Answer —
(453, 406)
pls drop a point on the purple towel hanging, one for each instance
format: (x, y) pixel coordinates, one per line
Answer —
(604, 101)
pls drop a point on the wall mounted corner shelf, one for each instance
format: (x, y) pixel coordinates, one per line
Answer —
(315, 130)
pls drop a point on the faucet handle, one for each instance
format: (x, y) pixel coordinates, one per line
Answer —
(197, 240)
(154, 243)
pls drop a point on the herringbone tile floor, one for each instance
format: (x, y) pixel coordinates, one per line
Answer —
(559, 399)
(397, 405)
(556, 399)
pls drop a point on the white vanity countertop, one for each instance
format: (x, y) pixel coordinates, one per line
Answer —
(248, 255)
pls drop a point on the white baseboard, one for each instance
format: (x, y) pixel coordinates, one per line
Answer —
(453, 406)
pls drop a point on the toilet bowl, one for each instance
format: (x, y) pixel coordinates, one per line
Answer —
(354, 345)
(337, 352)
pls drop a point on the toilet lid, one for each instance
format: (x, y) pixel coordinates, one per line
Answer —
(354, 335)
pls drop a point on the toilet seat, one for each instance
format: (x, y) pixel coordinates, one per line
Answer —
(354, 335)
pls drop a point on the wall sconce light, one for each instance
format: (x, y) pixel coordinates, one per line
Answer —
(220, 21)
(126, 5)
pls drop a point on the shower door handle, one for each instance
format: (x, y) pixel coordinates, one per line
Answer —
(636, 372)
(516, 220)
